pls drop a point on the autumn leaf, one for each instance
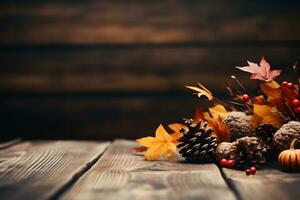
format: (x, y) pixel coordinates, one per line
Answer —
(139, 149)
(259, 100)
(215, 118)
(162, 144)
(175, 127)
(271, 90)
(264, 114)
(198, 115)
(261, 72)
(202, 91)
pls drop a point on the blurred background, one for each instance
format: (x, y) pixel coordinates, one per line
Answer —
(116, 69)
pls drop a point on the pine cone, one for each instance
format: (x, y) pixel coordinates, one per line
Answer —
(239, 124)
(226, 150)
(266, 133)
(249, 151)
(284, 136)
(198, 145)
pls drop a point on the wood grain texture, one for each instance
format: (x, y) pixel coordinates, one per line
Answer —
(42, 170)
(129, 70)
(117, 21)
(267, 184)
(7, 144)
(120, 174)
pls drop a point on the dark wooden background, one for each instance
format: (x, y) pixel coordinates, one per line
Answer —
(104, 69)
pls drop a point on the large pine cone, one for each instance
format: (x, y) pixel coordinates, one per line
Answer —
(250, 151)
(239, 124)
(226, 150)
(198, 145)
(245, 152)
(285, 135)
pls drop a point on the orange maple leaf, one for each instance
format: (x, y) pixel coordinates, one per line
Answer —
(272, 91)
(202, 91)
(163, 144)
(215, 118)
(264, 114)
(198, 115)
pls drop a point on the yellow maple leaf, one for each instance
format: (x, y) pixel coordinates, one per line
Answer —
(162, 144)
(202, 91)
(215, 117)
(175, 127)
(271, 90)
(264, 114)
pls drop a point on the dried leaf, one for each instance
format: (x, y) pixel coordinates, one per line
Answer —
(175, 127)
(162, 144)
(265, 114)
(259, 100)
(139, 149)
(198, 115)
(215, 118)
(261, 72)
(271, 90)
(202, 91)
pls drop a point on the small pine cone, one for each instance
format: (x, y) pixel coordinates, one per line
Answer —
(226, 150)
(197, 143)
(239, 124)
(251, 151)
(266, 133)
(285, 135)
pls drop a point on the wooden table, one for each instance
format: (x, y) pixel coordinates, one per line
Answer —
(108, 170)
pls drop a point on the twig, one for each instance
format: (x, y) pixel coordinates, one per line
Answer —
(240, 84)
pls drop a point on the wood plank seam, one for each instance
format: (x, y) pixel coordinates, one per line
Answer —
(230, 184)
(77, 176)
(10, 143)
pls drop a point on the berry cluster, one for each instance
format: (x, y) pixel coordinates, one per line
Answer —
(295, 102)
(287, 84)
(296, 106)
(227, 163)
(251, 171)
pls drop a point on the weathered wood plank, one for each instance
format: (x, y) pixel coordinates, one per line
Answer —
(267, 184)
(43, 170)
(119, 174)
(147, 21)
(10, 143)
(130, 70)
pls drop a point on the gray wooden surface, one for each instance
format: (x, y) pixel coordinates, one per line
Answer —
(103, 170)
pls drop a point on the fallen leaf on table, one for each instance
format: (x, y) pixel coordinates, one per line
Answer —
(264, 114)
(215, 118)
(261, 72)
(175, 127)
(139, 149)
(162, 144)
(202, 91)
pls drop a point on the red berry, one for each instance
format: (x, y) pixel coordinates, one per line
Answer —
(284, 83)
(230, 163)
(246, 97)
(297, 110)
(223, 162)
(296, 103)
(248, 172)
(290, 85)
(252, 170)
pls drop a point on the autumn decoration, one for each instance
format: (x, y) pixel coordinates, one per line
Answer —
(243, 132)
(290, 159)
